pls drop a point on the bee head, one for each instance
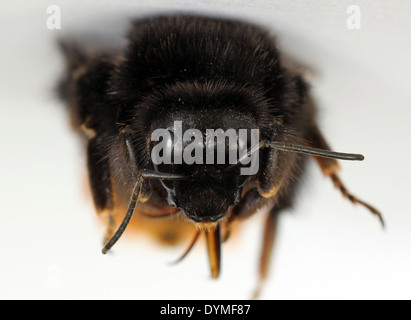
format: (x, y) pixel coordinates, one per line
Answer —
(203, 136)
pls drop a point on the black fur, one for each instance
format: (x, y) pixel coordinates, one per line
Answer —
(180, 68)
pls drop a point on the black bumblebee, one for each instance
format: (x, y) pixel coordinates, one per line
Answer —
(206, 73)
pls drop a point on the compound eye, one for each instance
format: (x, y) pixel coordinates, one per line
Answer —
(161, 153)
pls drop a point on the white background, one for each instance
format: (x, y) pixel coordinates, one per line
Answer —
(50, 238)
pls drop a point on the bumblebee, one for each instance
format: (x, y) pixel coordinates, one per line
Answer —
(205, 73)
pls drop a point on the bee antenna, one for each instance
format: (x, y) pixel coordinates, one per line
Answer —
(313, 151)
(144, 174)
(323, 153)
(131, 207)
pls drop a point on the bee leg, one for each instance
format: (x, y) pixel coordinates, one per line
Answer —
(316, 140)
(213, 238)
(248, 205)
(85, 89)
(250, 202)
(270, 233)
(330, 167)
(100, 183)
(272, 194)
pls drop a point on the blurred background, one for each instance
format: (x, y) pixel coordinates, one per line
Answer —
(326, 249)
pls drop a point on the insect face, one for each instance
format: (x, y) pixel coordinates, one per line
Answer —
(200, 131)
